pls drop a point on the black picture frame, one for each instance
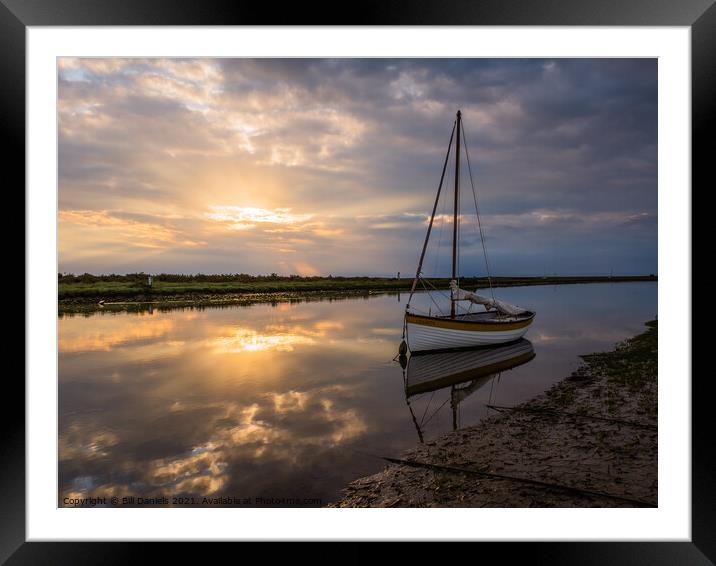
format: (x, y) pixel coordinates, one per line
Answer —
(699, 15)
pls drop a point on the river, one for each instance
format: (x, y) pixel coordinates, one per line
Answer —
(284, 404)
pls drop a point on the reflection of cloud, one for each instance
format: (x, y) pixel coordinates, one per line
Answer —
(384, 331)
(277, 428)
(542, 338)
(594, 335)
(107, 333)
(290, 401)
(202, 472)
(196, 419)
(350, 423)
(78, 441)
(259, 432)
(322, 326)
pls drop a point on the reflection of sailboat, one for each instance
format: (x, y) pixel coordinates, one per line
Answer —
(465, 372)
(500, 323)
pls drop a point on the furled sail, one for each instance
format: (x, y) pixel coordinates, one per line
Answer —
(501, 306)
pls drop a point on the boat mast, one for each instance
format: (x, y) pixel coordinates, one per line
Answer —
(455, 209)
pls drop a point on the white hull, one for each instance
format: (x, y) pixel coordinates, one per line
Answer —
(421, 337)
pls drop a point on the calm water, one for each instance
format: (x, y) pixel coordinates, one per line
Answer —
(287, 401)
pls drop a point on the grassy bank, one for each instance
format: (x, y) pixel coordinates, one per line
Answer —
(81, 289)
(146, 303)
(589, 441)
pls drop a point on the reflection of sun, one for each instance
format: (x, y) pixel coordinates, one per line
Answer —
(279, 338)
(245, 340)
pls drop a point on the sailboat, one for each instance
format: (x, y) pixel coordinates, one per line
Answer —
(499, 323)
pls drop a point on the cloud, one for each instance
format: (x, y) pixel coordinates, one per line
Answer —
(108, 334)
(192, 159)
(78, 227)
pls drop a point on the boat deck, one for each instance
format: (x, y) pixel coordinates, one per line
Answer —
(490, 316)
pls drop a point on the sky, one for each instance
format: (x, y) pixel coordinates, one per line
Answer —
(331, 166)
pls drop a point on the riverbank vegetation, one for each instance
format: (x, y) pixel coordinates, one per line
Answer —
(136, 286)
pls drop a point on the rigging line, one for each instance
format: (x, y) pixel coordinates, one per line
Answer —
(415, 422)
(458, 306)
(427, 292)
(489, 400)
(435, 412)
(442, 225)
(492, 383)
(443, 294)
(432, 217)
(440, 240)
(445, 216)
(427, 281)
(457, 414)
(477, 212)
(426, 408)
(422, 282)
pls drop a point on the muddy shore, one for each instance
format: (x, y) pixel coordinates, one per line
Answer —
(592, 438)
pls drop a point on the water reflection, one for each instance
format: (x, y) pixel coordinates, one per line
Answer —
(462, 373)
(285, 400)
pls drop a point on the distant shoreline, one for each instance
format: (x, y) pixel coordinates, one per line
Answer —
(91, 295)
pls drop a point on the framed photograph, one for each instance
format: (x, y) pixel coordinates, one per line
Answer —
(393, 279)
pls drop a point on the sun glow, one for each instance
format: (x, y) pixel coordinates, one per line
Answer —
(245, 217)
